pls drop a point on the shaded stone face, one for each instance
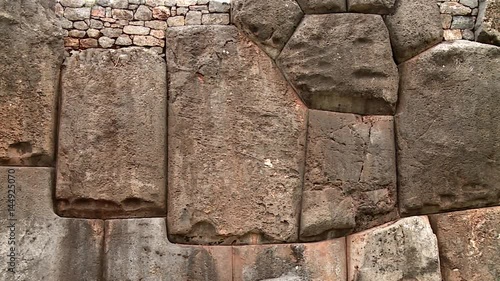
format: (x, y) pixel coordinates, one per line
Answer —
(448, 129)
(382, 7)
(342, 62)
(469, 244)
(487, 28)
(236, 141)
(322, 6)
(111, 156)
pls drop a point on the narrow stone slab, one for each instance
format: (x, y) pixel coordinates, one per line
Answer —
(36, 243)
(138, 249)
(350, 178)
(405, 250)
(322, 6)
(469, 243)
(382, 7)
(293, 262)
(236, 141)
(111, 157)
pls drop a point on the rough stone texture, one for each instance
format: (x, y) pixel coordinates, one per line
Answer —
(268, 23)
(469, 243)
(405, 250)
(292, 262)
(350, 177)
(322, 6)
(414, 27)
(138, 249)
(448, 129)
(342, 62)
(488, 22)
(46, 247)
(236, 141)
(371, 6)
(111, 156)
(28, 82)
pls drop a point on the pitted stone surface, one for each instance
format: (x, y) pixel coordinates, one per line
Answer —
(488, 22)
(448, 129)
(46, 247)
(28, 82)
(138, 249)
(382, 7)
(111, 156)
(268, 23)
(236, 141)
(405, 250)
(322, 6)
(469, 243)
(414, 27)
(293, 262)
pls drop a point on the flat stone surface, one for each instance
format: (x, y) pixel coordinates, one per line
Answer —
(350, 178)
(322, 6)
(487, 28)
(405, 250)
(448, 129)
(342, 62)
(414, 27)
(469, 243)
(28, 82)
(236, 141)
(111, 156)
(292, 262)
(268, 23)
(45, 247)
(382, 7)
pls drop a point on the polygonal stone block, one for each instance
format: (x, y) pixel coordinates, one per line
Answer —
(382, 7)
(322, 6)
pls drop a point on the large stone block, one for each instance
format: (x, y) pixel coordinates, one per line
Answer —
(268, 23)
(236, 141)
(293, 262)
(342, 62)
(112, 135)
(469, 243)
(448, 129)
(37, 244)
(28, 82)
(138, 249)
(414, 26)
(322, 6)
(405, 250)
(382, 7)
(350, 178)
(487, 28)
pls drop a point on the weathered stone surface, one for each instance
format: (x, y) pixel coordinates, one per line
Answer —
(350, 178)
(382, 7)
(138, 249)
(46, 247)
(28, 82)
(112, 134)
(215, 19)
(268, 23)
(236, 140)
(448, 128)
(488, 22)
(405, 250)
(342, 62)
(414, 27)
(293, 262)
(322, 6)
(469, 243)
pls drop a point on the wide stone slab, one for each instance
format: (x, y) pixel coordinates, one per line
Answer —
(448, 129)
(28, 82)
(350, 178)
(236, 141)
(112, 135)
(405, 250)
(382, 7)
(487, 28)
(138, 249)
(293, 262)
(342, 62)
(322, 6)
(36, 243)
(469, 243)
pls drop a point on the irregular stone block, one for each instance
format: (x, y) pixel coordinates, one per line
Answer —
(111, 156)
(382, 7)
(448, 129)
(414, 27)
(28, 83)
(322, 6)
(268, 23)
(350, 178)
(405, 250)
(138, 249)
(77, 13)
(487, 28)
(236, 141)
(469, 244)
(342, 62)
(315, 261)
(455, 9)
(36, 243)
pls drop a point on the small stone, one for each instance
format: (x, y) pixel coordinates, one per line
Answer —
(215, 19)
(158, 50)
(118, 4)
(123, 22)
(475, 11)
(219, 6)
(452, 34)
(108, 12)
(136, 2)
(122, 14)
(175, 21)
(81, 25)
(156, 24)
(77, 13)
(198, 8)
(181, 11)
(66, 24)
(77, 33)
(88, 43)
(104, 3)
(71, 42)
(161, 12)
(97, 24)
(160, 34)
(107, 24)
(202, 2)
(469, 3)
(193, 18)
(111, 32)
(59, 10)
(136, 30)
(140, 23)
(123, 40)
(468, 34)
(186, 3)
(72, 3)
(108, 19)
(143, 13)
(132, 7)
(98, 11)
(462, 22)
(93, 33)
(455, 9)
(446, 21)
(106, 42)
(148, 41)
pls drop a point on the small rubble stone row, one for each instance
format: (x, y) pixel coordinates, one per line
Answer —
(459, 18)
